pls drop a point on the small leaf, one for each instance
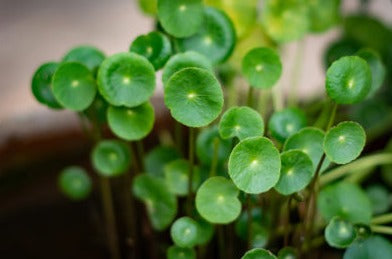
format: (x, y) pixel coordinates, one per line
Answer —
(346, 200)
(241, 122)
(215, 39)
(254, 165)
(75, 183)
(176, 252)
(375, 247)
(194, 97)
(262, 67)
(323, 14)
(184, 232)
(158, 157)
(74, 86)
(288, 253)
(344, 142)
(339, 233)
(348, 80)
(126, 79)
(177, 176)
(286, 122)
(111, 157)
(296, 172)
(41, 85)
(131, 123)
(154, 46)
(379, 198)
(89, 56)
(161, 204)
(258, 253)
(180, 18)
(217, 202)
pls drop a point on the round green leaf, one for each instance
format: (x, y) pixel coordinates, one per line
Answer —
(205, 146)
(296, 172)
(376, 66)
(346, 200)
(41, 85)
(73, 86)
(161, 204)
(258, 253)
(180, 18)
(194, 97)
(241, 122)
(348, 80)
(344, 142)
(184, 232)
(379, 198)
(310, 141)
(131, 123)
(155, 46)
(286, 122)
(89, 56)
(284, 20)
(323, 14)
(177, 176)
(339, 233)
(288, 253)
(215, 39)
(375, 247)
(111, 157)
(254, 165)
(157, 158)
(75, 183)
(176, 252)
(184, 60)
(126, 79)
(338, 49)
(262, 67)
(217, 202)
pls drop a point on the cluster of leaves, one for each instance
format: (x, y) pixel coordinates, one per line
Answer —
(236, 159)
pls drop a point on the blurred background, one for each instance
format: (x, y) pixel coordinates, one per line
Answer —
(35, 142)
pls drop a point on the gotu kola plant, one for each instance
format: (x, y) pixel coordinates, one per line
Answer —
(282, 175)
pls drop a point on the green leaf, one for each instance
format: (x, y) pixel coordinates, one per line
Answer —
(262, 67)
(215, 39)
(348, 80)
(41, 85)
(180, 18)
(296, 172)
(241, 122)
(161, 204)
(111, 157)
(254, 165)
(154, 46)
(344, 142)
(97, 110)
(340, 48)
(258, 253)
(126, 79)
(89, 56)
(285, 21)
(158, 157)
(346, 200)
(379, 198)
(73, 86)
(339, 233)
(205, 232)
(194, 97)
(175, 252)
(288, 253)
(75, 183)
(375, 247)
(310, 141)
(323, 14)
(184, 232)
(184, 60)
(376, 66)
(286, 122)
(177, 177)
(205, 146)
(217, 202)
(131, 123)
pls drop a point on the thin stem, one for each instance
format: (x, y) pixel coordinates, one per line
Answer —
(111, 228)
(361, 163)
(264, 102)
(191, 153)
(140, 151)
(221, 241)
(296, 72)
(214, 163)
(381, 229)
(287, 222)
(249, 100)
(249, 217)
(382, 219)
(178, 136)
(332, 116)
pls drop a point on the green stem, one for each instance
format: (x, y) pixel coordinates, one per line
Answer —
(264, 102)
(140, 151)
(381, 229)
(215, 156)
(296, 72)
(178, 136)
(191, 154)
(332, 116)
(249, 100)
(361, 163)
(249, 217)
(382, 219)
(111, 228)
(287, 222)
